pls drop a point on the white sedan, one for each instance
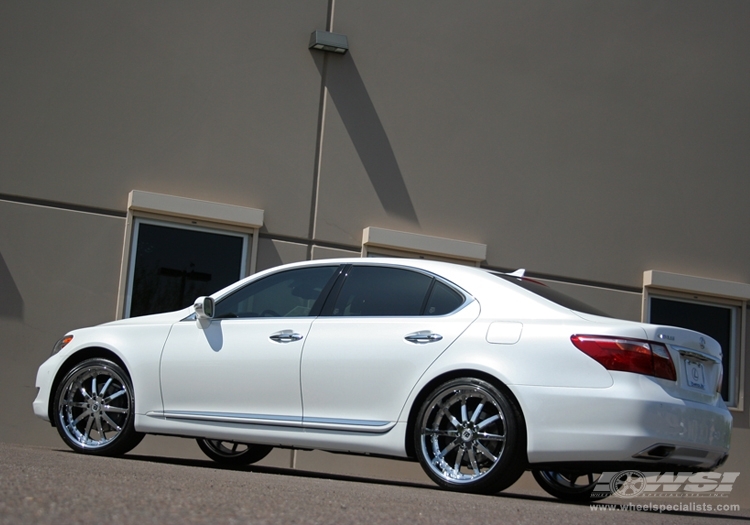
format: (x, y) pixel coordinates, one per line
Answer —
(476, 375)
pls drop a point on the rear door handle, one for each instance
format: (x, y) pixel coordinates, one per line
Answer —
(423, 337)
(285, 336)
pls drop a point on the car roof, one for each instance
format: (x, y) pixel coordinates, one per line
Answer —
(496, 296)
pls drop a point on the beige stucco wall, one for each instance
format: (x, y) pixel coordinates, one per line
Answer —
(58, 271)
(591, 140)
(217, 102)
(585, 141)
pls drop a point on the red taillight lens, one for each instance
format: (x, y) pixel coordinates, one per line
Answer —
(628, 355)
(663, 365)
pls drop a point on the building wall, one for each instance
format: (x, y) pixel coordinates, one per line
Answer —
(585, 141)
(590, 140)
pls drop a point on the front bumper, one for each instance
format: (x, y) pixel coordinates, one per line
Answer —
(44, 378)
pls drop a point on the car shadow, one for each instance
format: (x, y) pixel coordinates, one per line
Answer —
(606, 506)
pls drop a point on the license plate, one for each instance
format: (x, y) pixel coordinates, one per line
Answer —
(696, 374)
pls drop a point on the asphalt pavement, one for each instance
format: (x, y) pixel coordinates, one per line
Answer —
(48, 485)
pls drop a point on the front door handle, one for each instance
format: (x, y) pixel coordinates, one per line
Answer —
(285, 336)
(423, 337)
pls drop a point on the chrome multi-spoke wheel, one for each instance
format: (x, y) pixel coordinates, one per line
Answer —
(231, 453)
(469, 437)
(570, 486)
(94, 409)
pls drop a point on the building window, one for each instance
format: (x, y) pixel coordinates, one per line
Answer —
(177, 249)
(715, 308)
(172, 264)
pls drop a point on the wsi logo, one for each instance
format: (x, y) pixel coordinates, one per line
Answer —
(634, 483)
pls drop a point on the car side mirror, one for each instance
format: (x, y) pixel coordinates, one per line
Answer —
(204, 310)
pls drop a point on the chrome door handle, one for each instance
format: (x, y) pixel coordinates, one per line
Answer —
(423, 336)
(285, 336)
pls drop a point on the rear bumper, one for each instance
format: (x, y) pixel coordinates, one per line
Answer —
(635, 423)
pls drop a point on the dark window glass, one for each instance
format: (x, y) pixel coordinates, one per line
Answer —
(291, 293)
(548, 293)
(173, 266)
(381, 291)
(443, 300)
(714, 321)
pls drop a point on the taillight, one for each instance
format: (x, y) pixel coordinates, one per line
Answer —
(628, 355)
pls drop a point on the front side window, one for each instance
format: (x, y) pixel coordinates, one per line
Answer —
(383, 291)
(172, 264)
(290, 293)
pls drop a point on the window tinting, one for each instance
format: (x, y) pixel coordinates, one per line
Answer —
(382, 291)
(551, 295)
(286, 294)
(443, 300)
(174, 265)
(714, 321)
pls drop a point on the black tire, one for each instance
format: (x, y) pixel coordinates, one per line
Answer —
(574, 487)
(469, 437)
(94, 409)
(233, 454)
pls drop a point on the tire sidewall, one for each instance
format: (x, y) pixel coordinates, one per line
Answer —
(582, 495)
(510, 465)
(253, 454)
(126, 440)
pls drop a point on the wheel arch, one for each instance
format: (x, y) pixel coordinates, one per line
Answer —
(448, 376)
(72, 360)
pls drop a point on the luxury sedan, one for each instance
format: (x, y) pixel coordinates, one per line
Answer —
(477, 375)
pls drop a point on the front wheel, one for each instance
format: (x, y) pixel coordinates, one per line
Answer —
(233, 454)
(94, 409)
(469, 437)
(574, 487)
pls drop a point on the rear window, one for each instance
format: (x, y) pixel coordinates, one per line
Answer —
(548, 293)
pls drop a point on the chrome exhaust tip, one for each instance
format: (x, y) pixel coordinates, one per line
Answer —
(659, 451)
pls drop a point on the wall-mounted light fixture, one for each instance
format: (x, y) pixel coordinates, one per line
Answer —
(326, 41)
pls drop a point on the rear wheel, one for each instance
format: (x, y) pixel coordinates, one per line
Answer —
(570, 486)
(231, 453)
(94, 409)
(470, 437)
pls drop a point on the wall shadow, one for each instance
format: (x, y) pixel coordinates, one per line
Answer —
(11, 302)
(349, 95)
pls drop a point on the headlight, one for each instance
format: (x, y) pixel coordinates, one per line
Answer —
(61, 344)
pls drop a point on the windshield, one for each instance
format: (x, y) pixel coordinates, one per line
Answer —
(548, 293)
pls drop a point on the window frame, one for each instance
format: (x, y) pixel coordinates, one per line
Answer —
(174, 211)
(380, 242)
(133, 252)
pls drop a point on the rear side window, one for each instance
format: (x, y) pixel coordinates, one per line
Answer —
(382, 291)
(443, 300)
